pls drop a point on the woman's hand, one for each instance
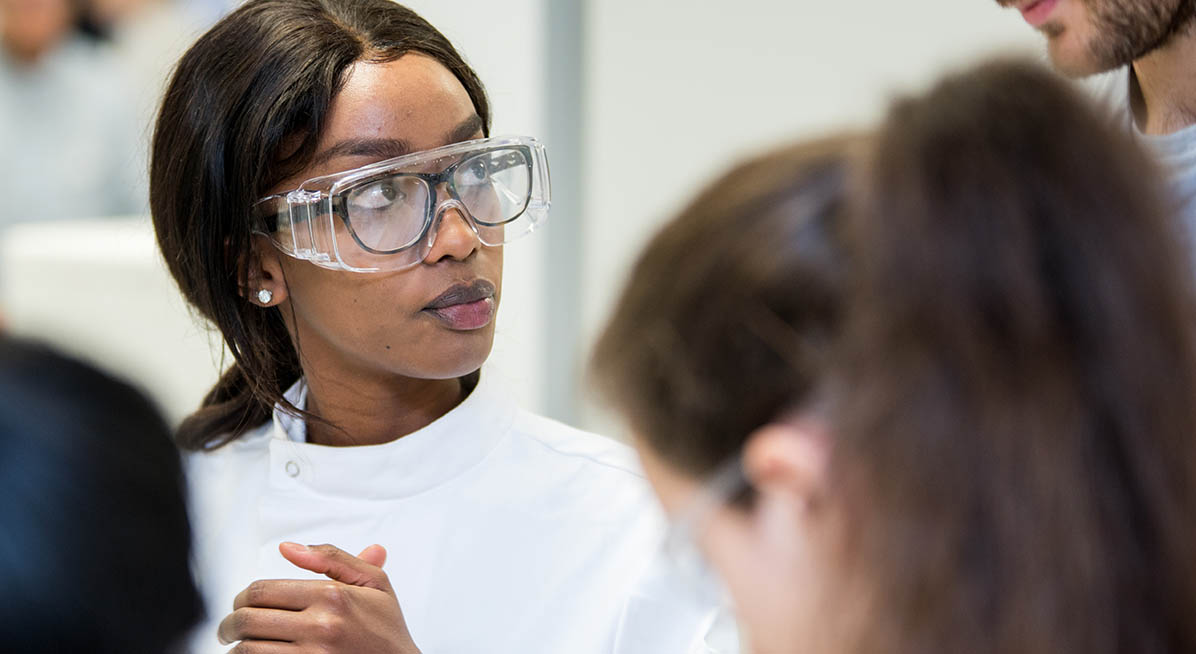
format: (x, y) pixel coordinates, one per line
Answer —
(356, 611)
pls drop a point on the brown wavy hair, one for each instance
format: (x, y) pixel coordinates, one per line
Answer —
(1015, 433)
(244, 110)
(732, 307)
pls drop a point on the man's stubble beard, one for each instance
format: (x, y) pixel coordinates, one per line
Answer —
(1127, 30)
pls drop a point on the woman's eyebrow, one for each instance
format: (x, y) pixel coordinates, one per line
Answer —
(391, 148)
(466, 130)
(381, 148)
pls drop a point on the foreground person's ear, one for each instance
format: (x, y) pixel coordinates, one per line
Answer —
(789, 457)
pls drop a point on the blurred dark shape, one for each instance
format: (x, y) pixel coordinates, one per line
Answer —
(94, 537)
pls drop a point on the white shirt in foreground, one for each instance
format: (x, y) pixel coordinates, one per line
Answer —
(506, 532)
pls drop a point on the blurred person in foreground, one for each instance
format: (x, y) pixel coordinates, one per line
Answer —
(67, 127)
(956, 415)
(1148, 50)
(94, 537)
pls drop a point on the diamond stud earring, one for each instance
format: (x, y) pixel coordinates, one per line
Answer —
(264, 296)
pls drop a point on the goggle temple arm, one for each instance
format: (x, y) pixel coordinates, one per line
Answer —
(300, 205)
(297, 229)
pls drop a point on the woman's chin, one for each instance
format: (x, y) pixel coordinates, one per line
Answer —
(461, 359)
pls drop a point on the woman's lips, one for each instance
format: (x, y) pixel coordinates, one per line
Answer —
(464, 307)
(465, 317)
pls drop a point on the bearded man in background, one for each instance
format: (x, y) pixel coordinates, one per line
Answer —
(1148, 47)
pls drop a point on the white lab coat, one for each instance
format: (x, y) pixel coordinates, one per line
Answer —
(507, 533)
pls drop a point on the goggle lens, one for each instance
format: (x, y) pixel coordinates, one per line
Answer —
(390, 213)
(495, 186)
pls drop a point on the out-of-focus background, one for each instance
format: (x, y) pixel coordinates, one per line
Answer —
(639, 102)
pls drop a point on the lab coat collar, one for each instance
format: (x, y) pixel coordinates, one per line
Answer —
(419, 461)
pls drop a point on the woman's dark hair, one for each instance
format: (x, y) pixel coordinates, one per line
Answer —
(244, 111)
(731, 308)
(1015, 412)
(95, 545)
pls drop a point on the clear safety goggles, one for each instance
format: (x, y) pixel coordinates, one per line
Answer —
(681, 548)
(385, 216)
(690, 567)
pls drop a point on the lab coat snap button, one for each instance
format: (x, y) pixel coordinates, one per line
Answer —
(292, 469)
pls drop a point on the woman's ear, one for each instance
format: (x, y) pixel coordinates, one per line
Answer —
(789, 457)
(265, 284)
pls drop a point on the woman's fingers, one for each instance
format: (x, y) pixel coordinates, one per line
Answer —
(250, 623)
(264, 647)
(374, 555)
(346, 613)
(286, 594)
(339, 565)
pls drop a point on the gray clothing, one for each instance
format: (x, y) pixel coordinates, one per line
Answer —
(1176, 151)
(70, 138)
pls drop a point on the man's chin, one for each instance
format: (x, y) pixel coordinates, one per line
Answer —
(1075, 60)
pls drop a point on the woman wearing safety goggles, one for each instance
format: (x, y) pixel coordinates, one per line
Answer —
(325, 190)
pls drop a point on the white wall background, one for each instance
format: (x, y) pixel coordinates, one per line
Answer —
(639, 101)
(678, 90)
(671, 92)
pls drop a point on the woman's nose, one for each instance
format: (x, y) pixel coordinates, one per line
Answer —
(452, 234)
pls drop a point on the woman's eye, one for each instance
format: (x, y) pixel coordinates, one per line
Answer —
(479, 171)
(377, 196)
